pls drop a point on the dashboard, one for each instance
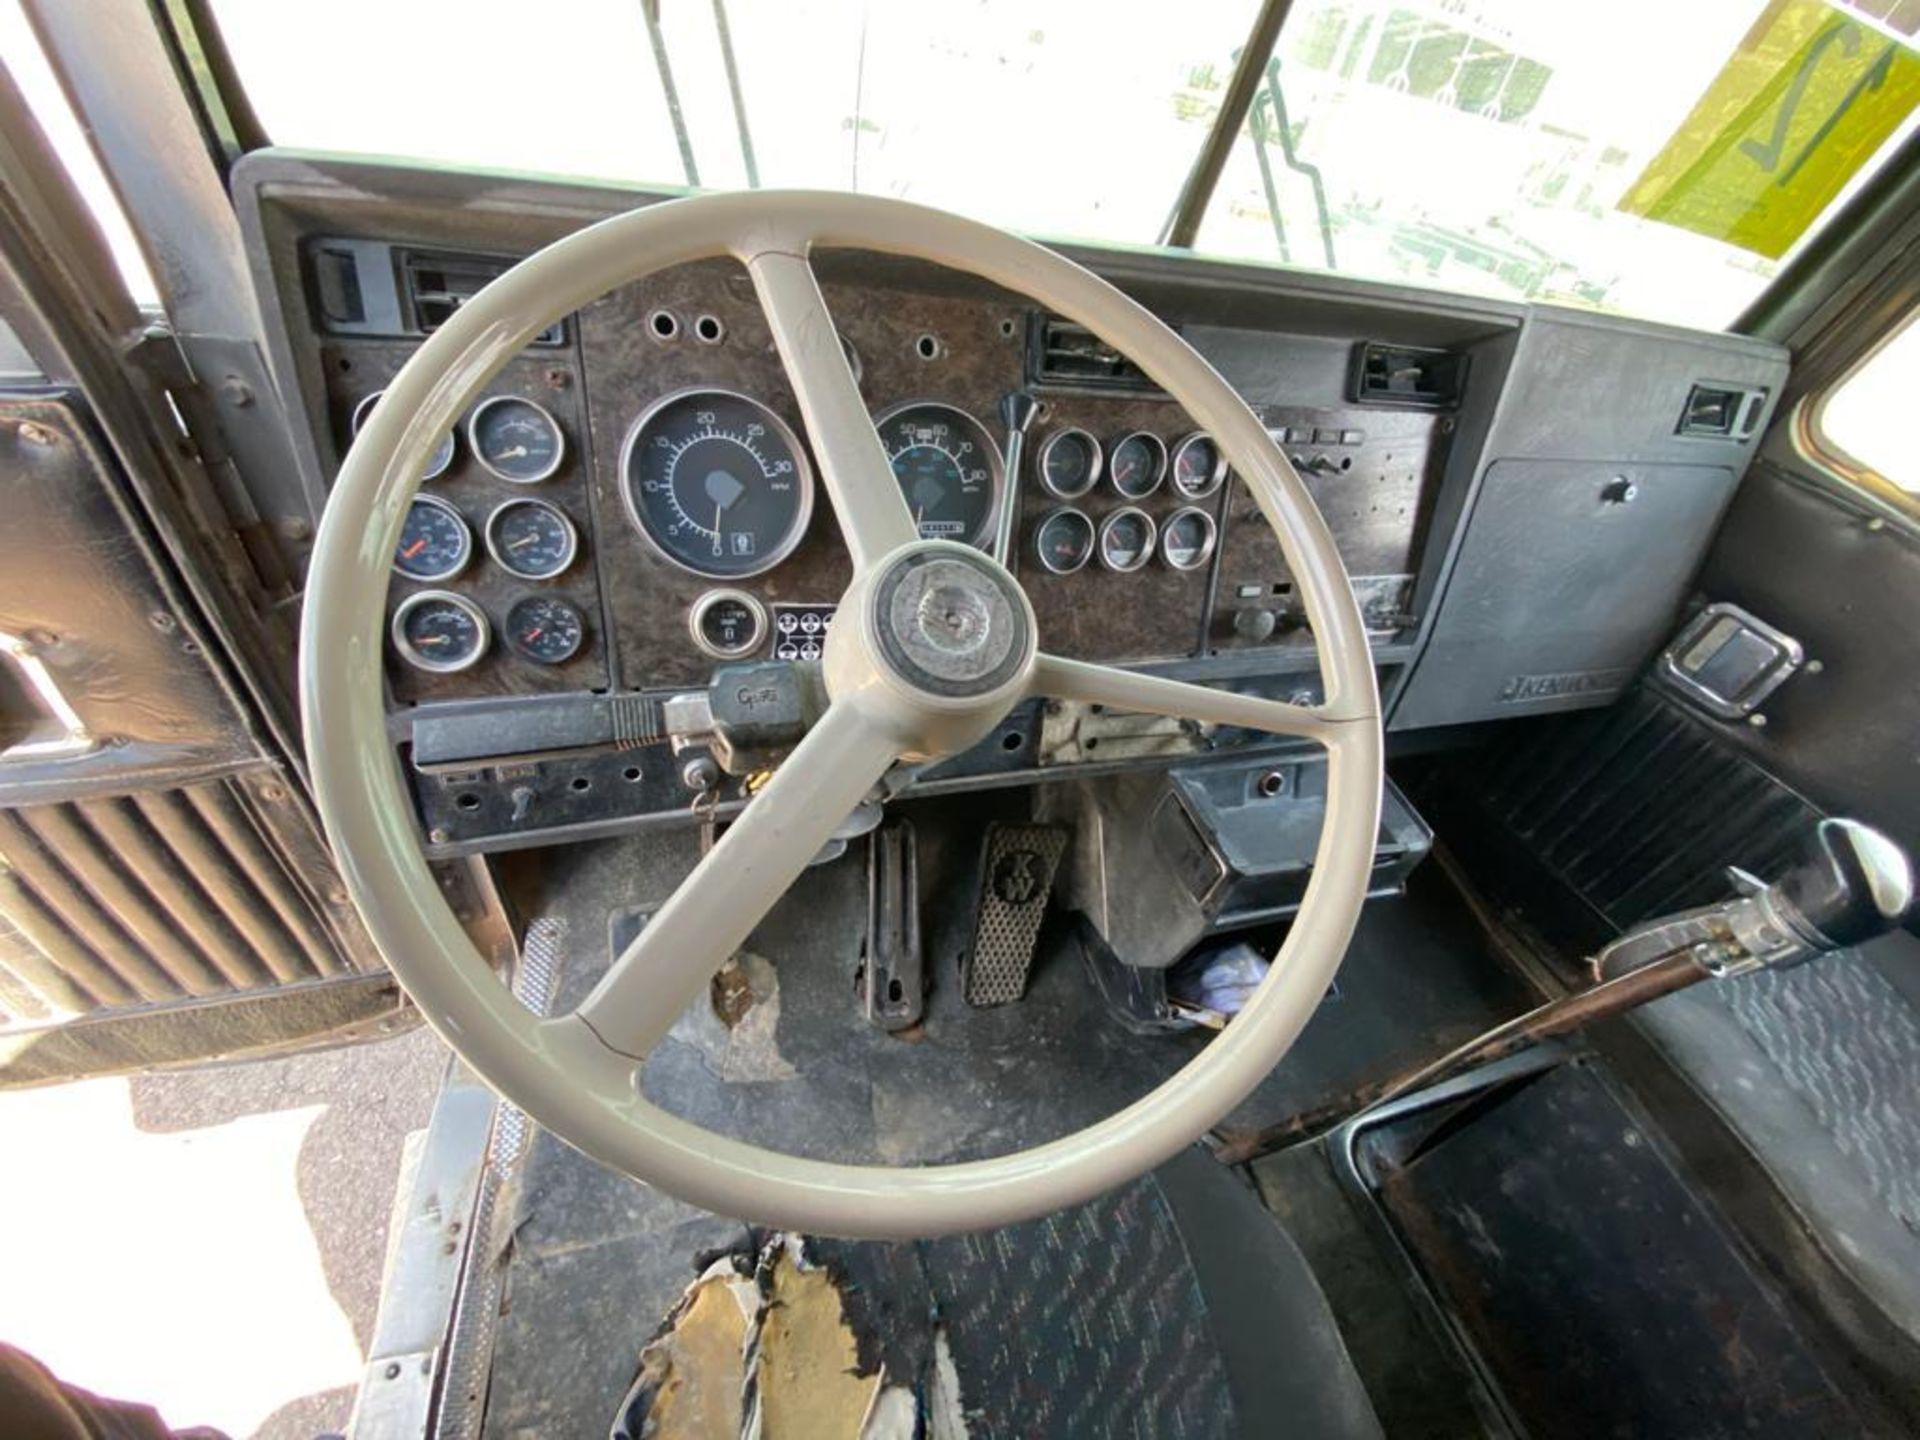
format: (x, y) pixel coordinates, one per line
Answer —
(633, 502)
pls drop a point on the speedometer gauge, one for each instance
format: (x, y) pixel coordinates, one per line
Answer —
(717, 483)
(948, 468)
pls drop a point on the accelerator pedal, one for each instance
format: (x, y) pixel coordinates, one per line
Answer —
(1017, 867)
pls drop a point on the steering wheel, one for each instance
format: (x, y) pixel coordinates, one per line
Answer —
(937, 644)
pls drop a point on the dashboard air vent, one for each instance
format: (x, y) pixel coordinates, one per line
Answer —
(1406, 375)
(1063, 353)
(438, 283)
(1722, 412)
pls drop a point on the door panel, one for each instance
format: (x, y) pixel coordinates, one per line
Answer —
(158, 859)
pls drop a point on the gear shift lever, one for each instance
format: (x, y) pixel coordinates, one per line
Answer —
(1850, 884)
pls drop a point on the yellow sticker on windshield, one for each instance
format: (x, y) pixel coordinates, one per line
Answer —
(1805, 101)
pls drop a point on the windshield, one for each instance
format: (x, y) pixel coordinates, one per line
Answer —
(1651, 158)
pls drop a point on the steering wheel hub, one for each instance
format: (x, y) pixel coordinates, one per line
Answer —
(950, 623)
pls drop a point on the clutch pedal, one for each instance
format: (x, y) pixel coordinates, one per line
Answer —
(1017, 867)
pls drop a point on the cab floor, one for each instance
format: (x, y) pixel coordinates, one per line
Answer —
(598, 1259)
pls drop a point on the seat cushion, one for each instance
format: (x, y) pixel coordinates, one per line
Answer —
(1815, 1071)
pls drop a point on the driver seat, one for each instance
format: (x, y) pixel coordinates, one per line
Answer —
(1172, 1306)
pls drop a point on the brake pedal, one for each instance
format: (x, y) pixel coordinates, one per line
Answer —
(1017, 867)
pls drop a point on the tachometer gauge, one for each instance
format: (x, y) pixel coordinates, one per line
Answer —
(442, 455)
(1126, 539)
(948, 468)
(1138, 464)
(531, 539)
(717, 482)
(435, 543)
(1069, 463)
(516, 439)
(1186, 539)
(439, 631)
(545, 629)
(1063, 540)
(1198, 466)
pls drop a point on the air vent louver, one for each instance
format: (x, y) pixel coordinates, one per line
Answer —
(438, 284)
(1722, 412)
(1406, 375)
(1063, 353)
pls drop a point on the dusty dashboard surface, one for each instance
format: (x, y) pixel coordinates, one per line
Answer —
(632, 502)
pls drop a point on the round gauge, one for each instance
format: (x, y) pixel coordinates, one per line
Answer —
(948, 468)
(440, 631)
(435, 543)
(1186, 539)
(1198, 466)
(531, 539)
(727, 624)
(442, 455)
(1063, 540)
(1138, 464)
(1126, 539)
(1069, 463)
(516, 439)
(717, 482)
(546, 629)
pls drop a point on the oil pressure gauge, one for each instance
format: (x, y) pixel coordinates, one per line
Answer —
(545, 629)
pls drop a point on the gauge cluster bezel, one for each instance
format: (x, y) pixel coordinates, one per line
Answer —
(797, 526)
(547, 418)
(411, 653)
(495, 550)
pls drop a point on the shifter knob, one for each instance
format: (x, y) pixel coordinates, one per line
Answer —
(1852, 884)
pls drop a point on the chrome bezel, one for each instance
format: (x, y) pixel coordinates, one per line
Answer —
(1147, 550)
(1061, 512)
(707, 600)
(513, 643)
(1215, 479)
(498, 553)
(1094, 471)
(803, 469)
(1160, 466)
(1206, 550)
(466, 552)
(433, 472)
(473, 439)
(996, 464)
(411, 654)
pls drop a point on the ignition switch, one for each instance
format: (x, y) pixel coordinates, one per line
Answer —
(750, 715)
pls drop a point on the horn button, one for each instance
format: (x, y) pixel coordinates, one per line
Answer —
(951, 623)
